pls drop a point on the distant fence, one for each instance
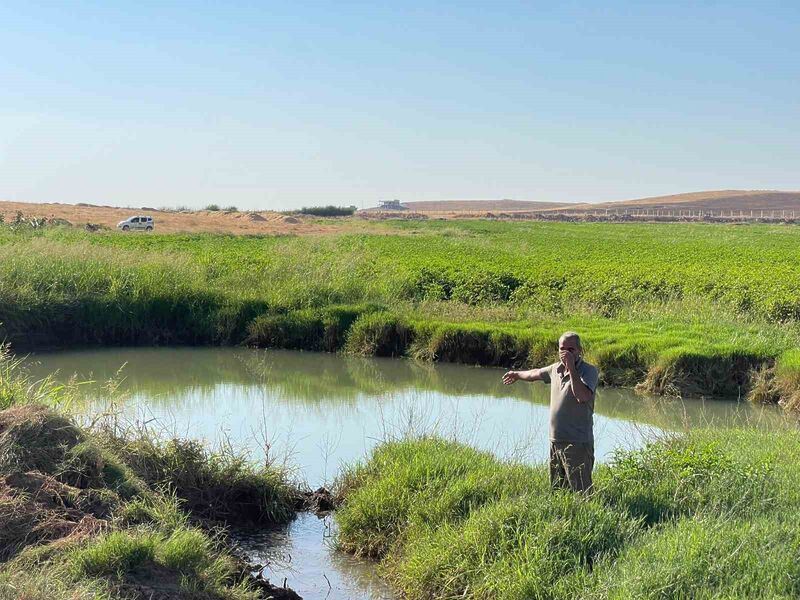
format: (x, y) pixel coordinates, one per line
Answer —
(611, 215)
(685, 213)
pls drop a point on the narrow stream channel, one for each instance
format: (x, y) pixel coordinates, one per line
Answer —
(317, 412)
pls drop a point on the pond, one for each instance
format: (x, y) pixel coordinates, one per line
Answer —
(317, 412)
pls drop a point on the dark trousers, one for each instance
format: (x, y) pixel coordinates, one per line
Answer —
(571, 465)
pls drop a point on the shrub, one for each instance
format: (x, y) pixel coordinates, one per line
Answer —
(379, 334)
(328, 211)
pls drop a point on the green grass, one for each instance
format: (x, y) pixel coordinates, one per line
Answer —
(712, 511)
(708, 557)
(676, 308)
(185, 561)
(17, 389)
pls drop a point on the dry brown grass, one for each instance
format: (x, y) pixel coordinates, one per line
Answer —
(264, 222)
(36, 508)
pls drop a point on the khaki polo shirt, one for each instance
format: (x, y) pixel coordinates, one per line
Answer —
(570, 420)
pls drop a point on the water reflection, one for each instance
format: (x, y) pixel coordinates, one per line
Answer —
(192, 377)
(302, 554)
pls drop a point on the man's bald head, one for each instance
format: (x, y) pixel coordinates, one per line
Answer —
(570, 336)
(570, 342)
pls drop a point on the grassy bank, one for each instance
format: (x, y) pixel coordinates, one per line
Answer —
(709, 515)
(675, 309)
(91, 513)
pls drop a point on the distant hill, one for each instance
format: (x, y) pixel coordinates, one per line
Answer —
(721, 200)
(480, 205)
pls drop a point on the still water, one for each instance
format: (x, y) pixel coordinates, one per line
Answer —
(317, 412)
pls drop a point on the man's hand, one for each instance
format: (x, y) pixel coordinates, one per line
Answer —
(510, 377)
(568, 358)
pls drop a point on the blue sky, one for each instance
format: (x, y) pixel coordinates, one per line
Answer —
(279, 105)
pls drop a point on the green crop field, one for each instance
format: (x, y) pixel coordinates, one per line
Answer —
(671, 309)
(675, 308)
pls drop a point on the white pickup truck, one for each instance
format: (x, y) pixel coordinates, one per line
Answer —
(140, 222)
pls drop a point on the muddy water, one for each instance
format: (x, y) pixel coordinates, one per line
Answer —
(317, 412)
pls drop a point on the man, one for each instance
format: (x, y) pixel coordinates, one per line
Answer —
(573, 382)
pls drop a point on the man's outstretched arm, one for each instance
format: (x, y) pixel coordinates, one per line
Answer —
(532, 375)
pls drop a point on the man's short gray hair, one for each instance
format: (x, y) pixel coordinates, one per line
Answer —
(571, 335)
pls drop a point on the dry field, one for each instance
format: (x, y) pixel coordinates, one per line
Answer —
(713, 201)
(723, 200)
(476, 206)
(264, 222)
(270, 222)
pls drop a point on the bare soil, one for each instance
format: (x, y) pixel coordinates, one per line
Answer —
(477, 206)
(253, 223)
(721, 200)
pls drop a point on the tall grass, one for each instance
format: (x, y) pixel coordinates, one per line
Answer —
(222, 485)
(18, 388)
(708, 557)
(687, 516)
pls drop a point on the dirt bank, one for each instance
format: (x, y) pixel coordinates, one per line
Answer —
(76, 516)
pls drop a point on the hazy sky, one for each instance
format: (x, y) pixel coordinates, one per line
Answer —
(279, 105)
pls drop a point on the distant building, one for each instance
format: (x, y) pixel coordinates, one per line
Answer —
(391, 205)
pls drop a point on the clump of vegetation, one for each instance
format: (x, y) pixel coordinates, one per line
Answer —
(685, 513)
(787, 376)
(328, 211)
(212, 207)
(218, 485)
(379, 334)
(88, 514)
(21, 223)
(179, 208)
(145, 561)
(311, 329)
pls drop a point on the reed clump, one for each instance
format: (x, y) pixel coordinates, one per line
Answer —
(220, 485)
